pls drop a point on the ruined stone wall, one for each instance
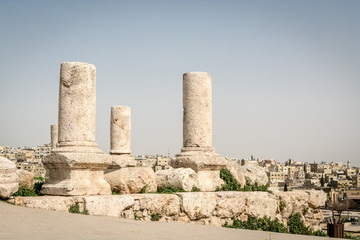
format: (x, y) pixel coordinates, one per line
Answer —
(214, 208)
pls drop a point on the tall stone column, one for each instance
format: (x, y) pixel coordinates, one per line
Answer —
(76, 166)
(197, 152)
(54, 135)
(120, 137)
(197, 102)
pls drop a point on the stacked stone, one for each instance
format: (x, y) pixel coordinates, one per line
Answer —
(197, 152)
(76, 166)
(120, 138)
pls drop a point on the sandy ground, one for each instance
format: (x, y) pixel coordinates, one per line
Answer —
(27, 224)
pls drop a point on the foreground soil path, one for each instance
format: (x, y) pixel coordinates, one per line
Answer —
(25, 223)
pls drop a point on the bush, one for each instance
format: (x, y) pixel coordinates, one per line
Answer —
(169, 189)
(282, 206)
(231, 184)
(115, 192)
(144, 189)
(195, 189)
(262, 224)
(25, 192)
(295, 225)
(155, 217)
(76, 209)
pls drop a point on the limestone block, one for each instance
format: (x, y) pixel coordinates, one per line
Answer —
(122, 161)
(53, 203)
(230, 204)
(76, 174)
(199, 161)
(108, 205)
(9, 180)
(261, 204)
(132, 180)
(198, 205)
(236, 171)
(208, 181)
(184, 178)
(163, 204)
(26, 179)
(316, 198)
(254, 174)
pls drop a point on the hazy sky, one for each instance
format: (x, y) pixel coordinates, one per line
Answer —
(285, 74)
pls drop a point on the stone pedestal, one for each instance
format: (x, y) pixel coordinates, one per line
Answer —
(197, 152)
(76, 166)
(54, 135)
(120, 138)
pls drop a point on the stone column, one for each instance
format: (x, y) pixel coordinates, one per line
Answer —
(54, 135)
(197, 102)
(120, 137)
(76, 166)
(197, 152)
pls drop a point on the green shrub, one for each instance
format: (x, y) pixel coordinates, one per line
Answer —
(195, 189)
(76, 209)
(231, 184)
(136, 217)
(37, 188)
(349, 236)
(282, 206)
(115, 192)
(296, 225)
(144, 189)
(262, 224)
(169, 189)
(25, 192)
(155, 217)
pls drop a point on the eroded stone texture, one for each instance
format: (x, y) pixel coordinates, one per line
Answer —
(183, 178)
(252, 173)
(54, 135)
(214, 208)
(9, 181)
(197, 152)
(76, 166)
(132, 180)
(26, 178)
(120, 138)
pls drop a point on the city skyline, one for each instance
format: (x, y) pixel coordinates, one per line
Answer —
(285, 75)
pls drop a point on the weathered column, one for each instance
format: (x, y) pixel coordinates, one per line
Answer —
(120, 130)
(54, 135)
(120, 137)
(76, 166)
(197, 152)
(197, 102)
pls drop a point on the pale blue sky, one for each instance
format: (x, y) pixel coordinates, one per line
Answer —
(286, 74)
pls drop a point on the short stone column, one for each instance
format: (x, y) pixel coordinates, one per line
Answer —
(120, 138)
(76, 166)
(197, 152)
(54, 135)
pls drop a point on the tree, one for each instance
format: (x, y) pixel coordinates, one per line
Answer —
(285, 188)
(322, 181)
(333, 184)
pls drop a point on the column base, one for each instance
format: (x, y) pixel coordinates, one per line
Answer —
(72, 174)
(121, 161)
(199, 160)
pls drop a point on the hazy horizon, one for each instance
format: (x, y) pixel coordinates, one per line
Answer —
(285, 74)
